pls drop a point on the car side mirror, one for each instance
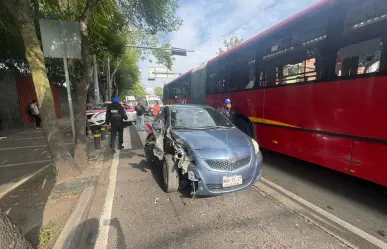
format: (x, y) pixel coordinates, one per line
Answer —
(157, 126)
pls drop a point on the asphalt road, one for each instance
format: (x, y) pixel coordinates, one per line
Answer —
(130, 210)
(358, 202)
(24, 153)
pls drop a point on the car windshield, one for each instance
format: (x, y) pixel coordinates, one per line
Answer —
(99, 107)
(152, 102)
(198, 118)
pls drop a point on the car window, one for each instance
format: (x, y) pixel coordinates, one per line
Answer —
(99, 107)
(198, 118)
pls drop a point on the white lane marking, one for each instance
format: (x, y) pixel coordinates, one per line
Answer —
(327, 215)
(104, 222)
(31, 131)
(22, 181)
(20, 164)
(16, 139)
(23, 147)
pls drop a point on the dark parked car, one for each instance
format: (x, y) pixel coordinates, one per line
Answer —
(199, 145)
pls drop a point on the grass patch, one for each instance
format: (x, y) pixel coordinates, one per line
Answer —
(46, 234)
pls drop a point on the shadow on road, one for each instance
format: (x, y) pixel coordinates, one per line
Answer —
(25, 204)
(88, 231)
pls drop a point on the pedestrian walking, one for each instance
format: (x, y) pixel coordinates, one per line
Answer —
(140, 111)
(35, 113)
(115, 115)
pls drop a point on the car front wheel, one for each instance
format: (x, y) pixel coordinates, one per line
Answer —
(170, 174)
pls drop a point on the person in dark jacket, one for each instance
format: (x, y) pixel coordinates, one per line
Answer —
(227, 111)
(115, 115)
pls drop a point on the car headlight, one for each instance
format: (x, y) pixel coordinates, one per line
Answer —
(255, 144)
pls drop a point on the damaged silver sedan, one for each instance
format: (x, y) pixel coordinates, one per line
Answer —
(199, 146)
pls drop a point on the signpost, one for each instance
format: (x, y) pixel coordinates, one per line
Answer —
(62, 39)
(160, 72)
(179, 52)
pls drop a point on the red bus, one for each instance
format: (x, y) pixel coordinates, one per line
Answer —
(312, 87)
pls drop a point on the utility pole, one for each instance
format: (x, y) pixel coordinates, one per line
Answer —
(109, 93)
(96, 87)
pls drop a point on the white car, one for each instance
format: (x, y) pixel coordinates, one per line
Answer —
(98, 116)
(131, 113)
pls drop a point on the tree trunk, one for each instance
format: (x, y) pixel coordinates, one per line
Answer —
(80, 152)
(10, 235)
(22, 15)
(112, 76)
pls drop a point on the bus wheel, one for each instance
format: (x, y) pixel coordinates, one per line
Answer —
(245, 126)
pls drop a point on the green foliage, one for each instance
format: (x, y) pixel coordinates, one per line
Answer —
(151, 16)
(11, 43)
(232, 43)
(159, 91)
(137, 90)
(128, 74)
(114, 25)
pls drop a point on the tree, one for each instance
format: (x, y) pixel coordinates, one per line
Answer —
(21, 13)
(10, 234)
(150, 16)
(159, 91)
(232, 43)
(137, 90)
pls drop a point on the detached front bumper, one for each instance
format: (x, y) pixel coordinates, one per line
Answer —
(210, 181)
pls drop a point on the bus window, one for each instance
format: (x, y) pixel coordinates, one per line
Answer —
(251, 79)
(263, 77)
(212, 75)
(299, 72)
(359, 58)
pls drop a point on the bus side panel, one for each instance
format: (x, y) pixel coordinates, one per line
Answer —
(216, 100)
(329, 151)
(249, 104)
(352, 107)
(369, 161)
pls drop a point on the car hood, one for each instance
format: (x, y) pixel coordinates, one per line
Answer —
(213, 139)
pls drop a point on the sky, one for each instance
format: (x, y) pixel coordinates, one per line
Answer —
(206, 23)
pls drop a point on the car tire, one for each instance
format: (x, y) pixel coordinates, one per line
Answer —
(170, 174)
(244, 126)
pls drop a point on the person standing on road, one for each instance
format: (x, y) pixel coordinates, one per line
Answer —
(227, 110)
(156, 109)
(35, 113)
(140, 110)
(115, 115)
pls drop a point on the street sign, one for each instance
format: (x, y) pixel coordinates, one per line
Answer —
(179, 52)
(160, 72)
(60, 38)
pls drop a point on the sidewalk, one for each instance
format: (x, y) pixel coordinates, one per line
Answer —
(28, 190)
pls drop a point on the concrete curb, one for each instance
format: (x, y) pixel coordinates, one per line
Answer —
(72, 231)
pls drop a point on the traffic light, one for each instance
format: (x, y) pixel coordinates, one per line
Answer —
(180, 52)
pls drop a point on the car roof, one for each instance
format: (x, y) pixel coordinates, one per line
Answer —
(187, 106)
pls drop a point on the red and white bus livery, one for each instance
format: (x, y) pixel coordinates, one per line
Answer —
(313, 87)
